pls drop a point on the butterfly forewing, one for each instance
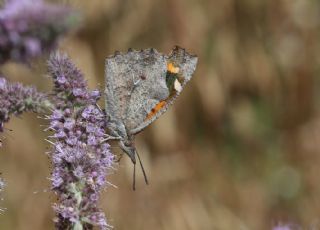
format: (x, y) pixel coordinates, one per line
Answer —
(149, 86)
(116, 90)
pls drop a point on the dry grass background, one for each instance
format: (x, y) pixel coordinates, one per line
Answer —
(240, 149)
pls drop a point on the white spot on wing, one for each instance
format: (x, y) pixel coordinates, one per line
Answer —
(177, 86)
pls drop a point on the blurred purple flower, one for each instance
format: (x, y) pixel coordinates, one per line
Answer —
(30, 27)
(288, 226)
(80, 159)
(282, 227)
(2, 185)
(16, 98)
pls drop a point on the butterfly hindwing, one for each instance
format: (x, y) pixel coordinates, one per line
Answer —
(135, 83)
(141, 85)
(179, 69)
(150, 87)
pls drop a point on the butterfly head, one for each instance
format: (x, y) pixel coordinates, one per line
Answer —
(128, 147)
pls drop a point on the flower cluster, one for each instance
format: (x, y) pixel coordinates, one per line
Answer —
(16, 98)
(70, 88)
(30, 27)
(80, 158)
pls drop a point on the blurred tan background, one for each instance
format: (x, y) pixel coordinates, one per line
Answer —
(240, 149)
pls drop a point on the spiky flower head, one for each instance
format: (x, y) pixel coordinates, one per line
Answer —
(16, 98)
(81, 159)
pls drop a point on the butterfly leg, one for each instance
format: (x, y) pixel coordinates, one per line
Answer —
(109, 137)
(119, 158)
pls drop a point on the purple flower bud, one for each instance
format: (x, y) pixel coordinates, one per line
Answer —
(56, 179)
(100, 180)
(60, 134)
(61, 79)
(57, 115)
(69, 123)
(32, 46)
(78, 172)
(94, 197)
(78, 92)
(95, 94)
(72, 140)
(90, 128)
(3, 83)
(56, 125)
(92, 140)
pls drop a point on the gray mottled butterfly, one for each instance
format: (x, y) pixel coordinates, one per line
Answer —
(140, 86)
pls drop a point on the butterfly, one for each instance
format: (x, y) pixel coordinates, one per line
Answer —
(139, 88)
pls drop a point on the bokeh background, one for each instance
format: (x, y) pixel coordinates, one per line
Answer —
(240, 149)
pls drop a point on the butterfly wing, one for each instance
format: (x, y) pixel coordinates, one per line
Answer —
(135, 83)
(116, 94)
(179, 69)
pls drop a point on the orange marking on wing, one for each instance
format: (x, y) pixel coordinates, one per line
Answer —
(171, 68)
(155, 109)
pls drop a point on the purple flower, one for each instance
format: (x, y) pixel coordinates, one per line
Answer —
(95, 94)
(288, 226)
(2, 185)
(78, 172)
(16, 99)
(33, 47)
(78, 92)
(69, 123)
(30, 27)
(56, 181)
(80, 159)
(57, 115)
(72, 90)
(99, 219)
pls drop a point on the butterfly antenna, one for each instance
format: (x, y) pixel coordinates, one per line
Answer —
(134, 177)
(144, 173)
